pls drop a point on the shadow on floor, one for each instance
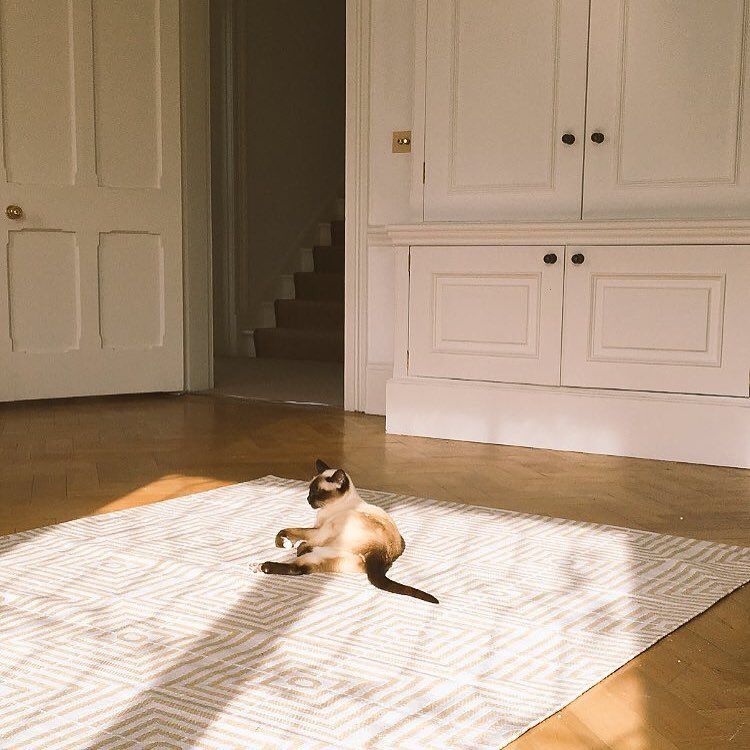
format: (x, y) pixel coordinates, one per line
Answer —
(280, 380)
(187, 696)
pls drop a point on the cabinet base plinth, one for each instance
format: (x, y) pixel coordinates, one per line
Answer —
(668, 427)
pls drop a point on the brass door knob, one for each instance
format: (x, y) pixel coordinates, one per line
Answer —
(14, 212)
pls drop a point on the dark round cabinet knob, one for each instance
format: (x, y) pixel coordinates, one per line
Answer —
(597, 137)
(578, 259)
(568, 139)
(550, 259)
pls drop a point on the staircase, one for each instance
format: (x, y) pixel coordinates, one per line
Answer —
(311, 325)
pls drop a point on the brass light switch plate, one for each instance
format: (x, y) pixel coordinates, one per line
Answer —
(401, 141)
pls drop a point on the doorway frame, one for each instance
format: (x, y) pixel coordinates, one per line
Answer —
(196, 197)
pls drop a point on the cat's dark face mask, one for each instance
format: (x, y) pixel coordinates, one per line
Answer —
(325, 489)
(316, 496)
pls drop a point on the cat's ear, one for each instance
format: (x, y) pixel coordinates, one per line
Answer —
(339, 477)
(321, 466)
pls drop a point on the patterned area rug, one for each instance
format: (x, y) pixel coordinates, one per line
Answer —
(145, 629)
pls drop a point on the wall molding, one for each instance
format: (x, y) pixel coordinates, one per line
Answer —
(225, 224)
(356, 202)
(195, 106)
(708, 232)
(378, 375)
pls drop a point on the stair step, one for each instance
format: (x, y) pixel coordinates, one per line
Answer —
(337, 233)
(328, 259)
(285, 286)
(306, 259)
(303, 314)
(324, 233)
(291, 343)
(328, 287)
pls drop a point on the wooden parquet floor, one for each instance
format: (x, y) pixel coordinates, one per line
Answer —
(66, 459)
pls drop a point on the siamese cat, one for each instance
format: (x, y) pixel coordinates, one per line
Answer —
(349, 536)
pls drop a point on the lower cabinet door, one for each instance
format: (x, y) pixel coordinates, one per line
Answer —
(658, 318)
(486, 313)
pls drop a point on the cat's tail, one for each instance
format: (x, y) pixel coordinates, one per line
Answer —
(376, 568)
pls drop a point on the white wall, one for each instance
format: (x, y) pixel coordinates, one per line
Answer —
(290, 79)
(391, 105)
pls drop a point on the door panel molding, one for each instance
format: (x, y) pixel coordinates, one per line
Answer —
(676, 322)
(131, 290)
(668, 86)
(44, 291)
(695, 305)
(503, 83)
(454, 185)
(485, 313)
(38, 99)
(128, 93)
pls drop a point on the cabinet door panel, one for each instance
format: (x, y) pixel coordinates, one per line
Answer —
(485, 313)
(668, 90)
(505, 81)
(670, 319)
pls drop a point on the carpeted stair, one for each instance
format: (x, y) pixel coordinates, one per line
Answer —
(311, 326)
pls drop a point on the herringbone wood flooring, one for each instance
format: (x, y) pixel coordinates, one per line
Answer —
(63, 460)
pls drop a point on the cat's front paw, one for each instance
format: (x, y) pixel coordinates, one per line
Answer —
(282, 540)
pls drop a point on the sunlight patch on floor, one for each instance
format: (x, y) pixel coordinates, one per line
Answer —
(163, 488)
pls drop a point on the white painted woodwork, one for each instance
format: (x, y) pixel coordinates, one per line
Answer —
(401, 262)
(668, 85)
(131, 290)
(195, 99)
(504, 82)
(655, 232)
(91, 277)
(670, 318)
(126, 66)
(668, 427)
(485, 313)
(38, 98)
(44, 268)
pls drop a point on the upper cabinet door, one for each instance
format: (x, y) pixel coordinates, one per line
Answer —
(668, 90)
(505, 82)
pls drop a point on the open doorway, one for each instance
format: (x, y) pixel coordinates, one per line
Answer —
(277, 153)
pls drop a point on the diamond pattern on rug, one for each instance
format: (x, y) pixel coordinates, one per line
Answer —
(145, 628)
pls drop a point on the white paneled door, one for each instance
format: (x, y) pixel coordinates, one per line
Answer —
(669, 109)
(658, 318)
(506, 86)
(486, 313)
(90, 247)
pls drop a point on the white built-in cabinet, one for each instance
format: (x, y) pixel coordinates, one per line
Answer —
(641, 318)
(569, 109)
(581, 276)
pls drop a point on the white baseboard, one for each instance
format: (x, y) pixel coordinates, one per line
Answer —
(667, 427)
(378, 374)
